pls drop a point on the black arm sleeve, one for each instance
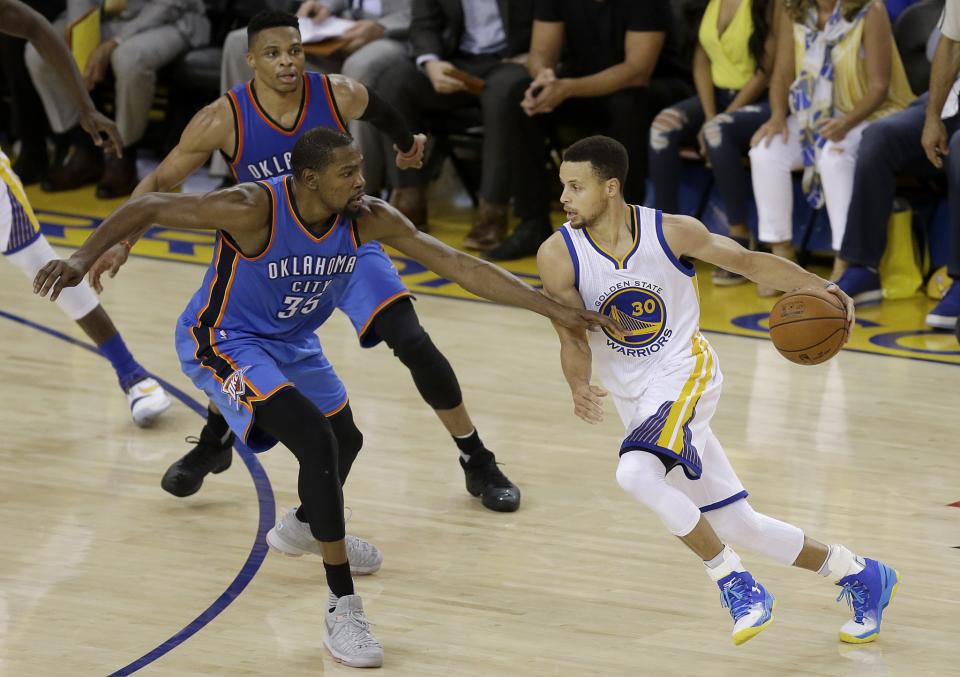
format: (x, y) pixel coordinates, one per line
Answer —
(388, 120)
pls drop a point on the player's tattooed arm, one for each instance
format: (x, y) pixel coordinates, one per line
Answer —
(380, 221)
(686, 236)
(576, 360)
(245, 207)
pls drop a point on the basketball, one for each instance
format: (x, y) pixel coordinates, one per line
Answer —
(808, 327)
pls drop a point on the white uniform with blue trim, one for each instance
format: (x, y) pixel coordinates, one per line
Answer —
(663, 376)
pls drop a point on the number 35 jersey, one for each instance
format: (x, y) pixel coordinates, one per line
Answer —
(649, 291)
(285, 292)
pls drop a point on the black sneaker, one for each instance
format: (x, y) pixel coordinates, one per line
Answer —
(524, 241)
(485, 480)
(185, 477)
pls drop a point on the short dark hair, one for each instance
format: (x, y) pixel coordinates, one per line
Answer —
(314, 148)
(269, 18)
(607, 156)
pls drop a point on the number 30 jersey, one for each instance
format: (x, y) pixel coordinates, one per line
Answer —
(653, 294)
(286, 291)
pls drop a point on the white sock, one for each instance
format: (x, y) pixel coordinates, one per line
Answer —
(840, 563)
(723, 564)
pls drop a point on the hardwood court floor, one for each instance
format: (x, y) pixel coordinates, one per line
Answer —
(99, 566)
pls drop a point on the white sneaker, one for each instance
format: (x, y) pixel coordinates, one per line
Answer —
(147, 401)
(348, 637)
(294, 538)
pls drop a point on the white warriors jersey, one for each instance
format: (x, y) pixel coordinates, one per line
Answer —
(654, 295)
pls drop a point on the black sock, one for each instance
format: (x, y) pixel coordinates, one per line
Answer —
(339, 579)
(302, 515)
(469, 445)
(217, 425)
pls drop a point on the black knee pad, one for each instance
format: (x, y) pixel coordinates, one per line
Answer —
(431, 371)
(349, 440)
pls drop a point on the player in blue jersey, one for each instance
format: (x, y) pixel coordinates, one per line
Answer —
(286, 251)
(255, 126)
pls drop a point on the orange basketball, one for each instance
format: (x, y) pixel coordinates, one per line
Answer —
(809, 326)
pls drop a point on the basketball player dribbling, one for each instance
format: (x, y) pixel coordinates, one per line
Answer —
(25, 247)
(632, 263)
(253, 350)
(255, 126)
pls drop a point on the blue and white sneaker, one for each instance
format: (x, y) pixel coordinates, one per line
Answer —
(867, 593)
(751, 606)
(944, 315)
(861, 284)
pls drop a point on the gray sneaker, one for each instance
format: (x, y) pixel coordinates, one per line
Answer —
(348, 637)
(293, 538)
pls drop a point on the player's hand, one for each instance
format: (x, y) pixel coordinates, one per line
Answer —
(580, 319)
(109, 262)
(769, 130)
(442, 83)
(313, 10)
(848, 303)
(361, 33)
(98, 63)
(413, 158)
(934, 141)
(588, 403)
(98, 126)
(58, 274)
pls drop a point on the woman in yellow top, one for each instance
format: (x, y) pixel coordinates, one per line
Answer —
(837, 69)
(731, 65)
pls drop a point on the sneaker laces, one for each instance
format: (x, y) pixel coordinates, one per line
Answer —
(359, 629)
(735, 596)
(490, 474)
(365, 549)
(855, 594)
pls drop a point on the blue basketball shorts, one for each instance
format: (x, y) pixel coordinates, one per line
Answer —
(238, 371)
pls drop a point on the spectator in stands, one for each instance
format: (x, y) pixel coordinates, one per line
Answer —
(602, 67)
(731, 68)
(138, 38)
(377, 40)
(484, 39)
(846, 72)
(27, 119)
(921, 140)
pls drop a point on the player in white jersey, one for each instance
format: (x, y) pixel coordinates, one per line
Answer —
(24, 246)
(632, 264)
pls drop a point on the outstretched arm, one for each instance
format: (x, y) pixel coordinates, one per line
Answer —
(556, 271)
(209, 130)
(382, 222)
(356, 102)
(244, 207)
(686, 236)
(19, 20)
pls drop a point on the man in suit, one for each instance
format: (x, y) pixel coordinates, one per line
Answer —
(487, 39)
(377, 39)
(138, 37)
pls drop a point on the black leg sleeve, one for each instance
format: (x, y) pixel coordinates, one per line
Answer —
(400, 328)
(349, 440)
(297, 423)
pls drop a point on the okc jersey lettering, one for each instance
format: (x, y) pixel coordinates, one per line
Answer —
(285, 292)
(263, 146)
(272, 166)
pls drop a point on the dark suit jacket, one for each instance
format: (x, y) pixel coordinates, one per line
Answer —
(437, 26)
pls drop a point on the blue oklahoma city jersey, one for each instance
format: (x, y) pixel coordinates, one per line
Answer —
(287, 291)
(264, 147)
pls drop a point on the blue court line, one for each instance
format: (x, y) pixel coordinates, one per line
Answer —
(264, 497)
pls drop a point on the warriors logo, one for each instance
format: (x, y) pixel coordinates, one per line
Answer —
(643, 315)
